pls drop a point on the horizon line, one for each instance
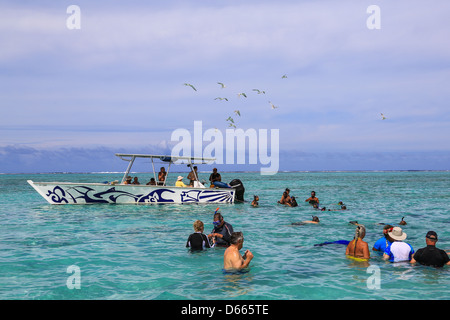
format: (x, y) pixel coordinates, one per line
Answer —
(233, 171)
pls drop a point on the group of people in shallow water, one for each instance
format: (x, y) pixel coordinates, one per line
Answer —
(391, 245)
(222, 235)
(287, 200)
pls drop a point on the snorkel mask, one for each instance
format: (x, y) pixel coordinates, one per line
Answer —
(218, 222)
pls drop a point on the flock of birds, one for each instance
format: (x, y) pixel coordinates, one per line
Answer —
(230, 120)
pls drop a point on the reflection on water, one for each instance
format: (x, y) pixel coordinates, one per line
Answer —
(237, 283)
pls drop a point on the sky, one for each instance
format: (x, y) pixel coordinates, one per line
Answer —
(70, 98)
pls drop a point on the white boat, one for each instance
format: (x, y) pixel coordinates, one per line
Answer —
(121, 193)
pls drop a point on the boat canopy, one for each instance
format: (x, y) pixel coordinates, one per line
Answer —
(130, 157)
(165, 158)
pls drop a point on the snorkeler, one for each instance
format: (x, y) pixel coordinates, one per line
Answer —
(294, 202)
(222, 230)
(316, 206)
(315, 220)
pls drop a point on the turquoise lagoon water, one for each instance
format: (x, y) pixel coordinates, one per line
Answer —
(138, 251)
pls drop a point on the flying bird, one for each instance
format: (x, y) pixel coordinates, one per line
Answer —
(242, 94)
(219, 98)
(231, 124)
(284, 77)
(273, 106)
(383, 117)
(237, 112)
(259, 91)
(223, 86)
(190, 85)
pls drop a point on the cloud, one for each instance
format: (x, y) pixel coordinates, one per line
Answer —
(119, 79)
(169, 37)
(20, 159)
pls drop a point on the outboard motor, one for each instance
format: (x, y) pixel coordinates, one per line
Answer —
(240, 190)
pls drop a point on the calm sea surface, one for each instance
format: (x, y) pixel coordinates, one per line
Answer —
(138, 251)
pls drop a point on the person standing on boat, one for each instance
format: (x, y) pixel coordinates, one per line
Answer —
(162, 176)
(193, 176)
(222, 230)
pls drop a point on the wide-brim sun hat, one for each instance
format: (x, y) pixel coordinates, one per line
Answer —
(397, 234)
(180, 178)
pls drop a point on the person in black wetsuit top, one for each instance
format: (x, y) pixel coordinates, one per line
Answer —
(430, 255)
(197, 240)
(222, 230)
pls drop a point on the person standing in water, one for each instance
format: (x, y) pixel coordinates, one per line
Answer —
(198, 240)
(313, 199)
(430, 255)
(222, 231)
(357, 248)
(398, 250)
(232, 259)
(255, 201)
(381, 244)
(286, 198)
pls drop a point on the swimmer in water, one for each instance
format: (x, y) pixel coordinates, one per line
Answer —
(286, 198)
(255, 201)
(313, 199)
(316, 206)
(232, 259)
(358, 248)
(294, 202)
(315, 220)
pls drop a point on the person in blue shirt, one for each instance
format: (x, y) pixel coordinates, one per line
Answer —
(398, 250)
(381, 244)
